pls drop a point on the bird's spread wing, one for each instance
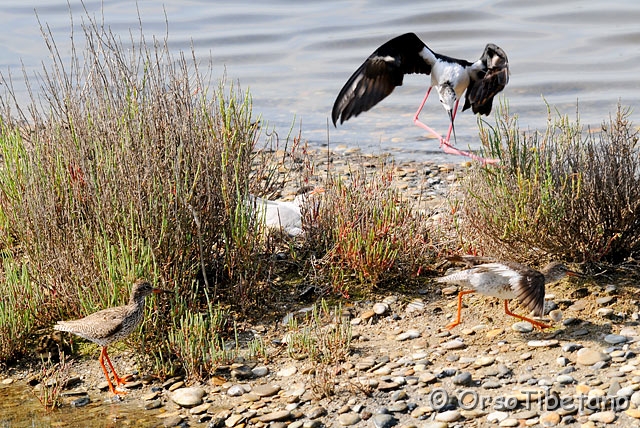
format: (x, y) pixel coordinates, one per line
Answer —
(379, 75)
(490, 75)
(528, 286)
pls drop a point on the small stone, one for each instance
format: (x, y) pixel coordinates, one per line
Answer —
(266, 390)
(603, 301)
(348, 419)
(317, 412)
(188, 397)
(150, 396)
(614, 339)
(153, 404)
(555, 315)
(387, 386)
(454, 344)
(582, 389)
(606, 417)
(548, 343)
(463, 379)
(578, 305)
(382, 420)
(627, 391)
(525, 414)
(172, 421)
(390, 300)
(260, 371)
(7, 381)
(565, 379)
(288, 371)
(448, 416)
(369, 313)
(605, 312)
(81, 402)
(494, 417)
(484, 361)
(434, 425)
(103, 386)
(589, 357)
(611, 289)
(411, 334)
(296, 390)
(241, 371)
(491, 384)
(415, 305)
(448, 291)
(522, 327)
(233, 420)
(281, 415)
(177, 385)
(509, 422)
(380, 308)
(629, 331)
(571, 347)
(495, 332)
(634, 413)
(200, 409)
(550, 419)
(427, 377)
(399, 396)
(235, 391)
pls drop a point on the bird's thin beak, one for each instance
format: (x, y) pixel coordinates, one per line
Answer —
(317, 190)
(160, 290)
(453, 128)
(574, 274)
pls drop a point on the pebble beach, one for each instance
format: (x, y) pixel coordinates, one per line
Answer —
(404, 369)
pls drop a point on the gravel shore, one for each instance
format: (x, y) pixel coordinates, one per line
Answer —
(405, 369)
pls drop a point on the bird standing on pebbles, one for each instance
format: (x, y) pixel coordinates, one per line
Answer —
(110, 325)
(507, 280)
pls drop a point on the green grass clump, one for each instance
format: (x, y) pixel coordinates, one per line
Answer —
(367, 234)
(19, 308)
(323, 335)
(130, 164)
(566, 192)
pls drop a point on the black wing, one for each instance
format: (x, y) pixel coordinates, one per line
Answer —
(379, 75)
(488, 79)
(529, 287)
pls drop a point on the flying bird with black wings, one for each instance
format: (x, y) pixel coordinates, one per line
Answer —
(452, 78)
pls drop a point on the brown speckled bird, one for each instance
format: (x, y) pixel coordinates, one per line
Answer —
(110, 325)
(507, 280)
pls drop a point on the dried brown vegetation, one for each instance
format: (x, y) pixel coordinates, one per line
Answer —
(567, 192)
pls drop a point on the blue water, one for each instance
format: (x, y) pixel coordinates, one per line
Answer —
(295, 57)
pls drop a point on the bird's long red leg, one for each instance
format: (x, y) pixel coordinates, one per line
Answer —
(444, 144)
(536, 324)
(419, 123)
(118, 380)
(459, 315)
(103, 353)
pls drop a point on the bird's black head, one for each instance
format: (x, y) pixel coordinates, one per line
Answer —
(448, 99)
(494, 56)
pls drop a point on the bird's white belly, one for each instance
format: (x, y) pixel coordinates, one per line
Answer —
(492, 285)
(451, 74)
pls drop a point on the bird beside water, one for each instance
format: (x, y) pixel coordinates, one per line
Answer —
(284, 215)
(507, 280)
(385, 68)
(110, 325)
